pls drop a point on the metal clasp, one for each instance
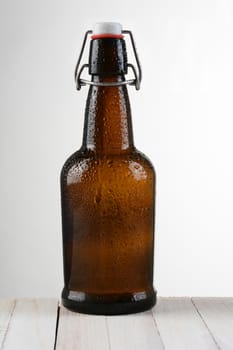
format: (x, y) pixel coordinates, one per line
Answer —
(137, 73)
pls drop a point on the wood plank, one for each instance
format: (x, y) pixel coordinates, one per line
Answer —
(32, 325)
(180, 325)
(134, 332)
(82, 332)
(217, 313)
(6, 310)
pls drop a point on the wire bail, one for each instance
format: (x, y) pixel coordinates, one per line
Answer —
(137, 73)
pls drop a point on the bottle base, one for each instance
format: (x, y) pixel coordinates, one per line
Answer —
(108, 304)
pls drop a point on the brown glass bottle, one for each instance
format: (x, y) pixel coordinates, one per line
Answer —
(107, 191)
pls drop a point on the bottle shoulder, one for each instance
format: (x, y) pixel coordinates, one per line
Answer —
(75, 159)
(86, 166)
(142, 159)
(88, 157)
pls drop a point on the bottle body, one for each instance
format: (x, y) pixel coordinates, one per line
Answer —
(108, 233)
(108, 200)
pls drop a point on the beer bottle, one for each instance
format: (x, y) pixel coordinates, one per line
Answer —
(107, 192)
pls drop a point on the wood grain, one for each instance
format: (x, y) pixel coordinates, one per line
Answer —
(82, 332)
(6, 310)
(32, 325)
(217, 314)
(180, 325)
(174, 324)
(136, 332)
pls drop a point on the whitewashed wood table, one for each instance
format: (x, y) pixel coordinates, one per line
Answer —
(175, 323)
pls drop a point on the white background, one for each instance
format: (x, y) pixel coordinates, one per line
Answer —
(182, 118)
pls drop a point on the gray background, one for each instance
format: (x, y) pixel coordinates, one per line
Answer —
(182, 120)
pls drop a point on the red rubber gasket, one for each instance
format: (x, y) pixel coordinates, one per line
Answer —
(102, 36)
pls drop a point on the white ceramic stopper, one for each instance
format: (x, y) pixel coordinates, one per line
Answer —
(107, 28)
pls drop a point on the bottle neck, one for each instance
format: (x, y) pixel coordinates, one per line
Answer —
(108, 125)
